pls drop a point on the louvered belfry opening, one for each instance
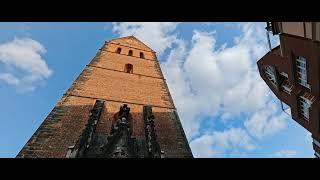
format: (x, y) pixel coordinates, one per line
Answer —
(128, 68)
(141, 55)
(118, 50)
(130, 53)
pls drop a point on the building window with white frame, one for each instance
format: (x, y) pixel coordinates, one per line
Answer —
(304, 106)
(302, 71)
(270, 72)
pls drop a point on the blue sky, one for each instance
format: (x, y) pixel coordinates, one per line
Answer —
(225, 107)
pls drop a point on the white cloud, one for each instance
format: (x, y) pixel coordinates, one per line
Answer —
(203, 146)
(285, 154)
(216, 143)
(9, 78)
(157, 35)
(266, 122)
(206, 80)
(22, 63)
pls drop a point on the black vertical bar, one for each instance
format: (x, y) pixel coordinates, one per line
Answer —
(153, 148)
(84, 142)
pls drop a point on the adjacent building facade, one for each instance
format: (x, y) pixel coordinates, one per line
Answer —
(118, 107)
(292, 71)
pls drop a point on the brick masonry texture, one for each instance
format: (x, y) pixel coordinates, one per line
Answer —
(104, 78)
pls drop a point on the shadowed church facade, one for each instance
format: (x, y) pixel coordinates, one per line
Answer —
(118, 107)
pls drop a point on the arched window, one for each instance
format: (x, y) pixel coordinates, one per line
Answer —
(130, 53)
(128, 68)
(119, 50)
(141, 55)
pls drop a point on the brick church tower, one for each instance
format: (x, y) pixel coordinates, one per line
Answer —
(118, 107)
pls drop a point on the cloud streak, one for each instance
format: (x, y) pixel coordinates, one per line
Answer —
(285, 154)
(217, 143)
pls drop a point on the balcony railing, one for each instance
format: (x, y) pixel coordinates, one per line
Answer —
(287, 87)
(309, 97)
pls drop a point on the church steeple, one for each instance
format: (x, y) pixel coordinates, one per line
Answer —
(119, 106)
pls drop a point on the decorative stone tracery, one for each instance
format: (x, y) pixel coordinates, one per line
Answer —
(119, 143)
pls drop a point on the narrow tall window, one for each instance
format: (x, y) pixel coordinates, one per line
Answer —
(141, 55)
(128, 68)
(119, 50)
(130, 53)
(302, 71)
(304, 105)
(270, 72)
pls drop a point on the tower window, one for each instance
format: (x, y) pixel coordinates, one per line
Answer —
(118, 50)
(128, 68)
(304, 105)
(302, 71)
(141, 55)
(130, 53)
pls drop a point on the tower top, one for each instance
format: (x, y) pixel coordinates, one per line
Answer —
(131, 41)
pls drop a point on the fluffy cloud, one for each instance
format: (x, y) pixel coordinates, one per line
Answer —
(156, 35)
(266, 122)
(216, 143)
(9, 78)
(22, 64)
(206, 80)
